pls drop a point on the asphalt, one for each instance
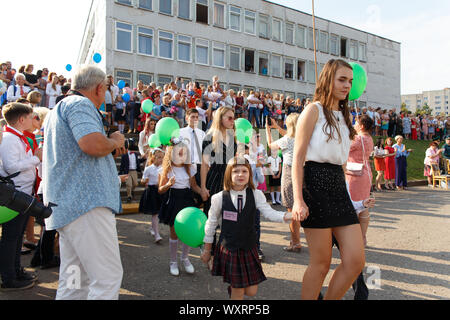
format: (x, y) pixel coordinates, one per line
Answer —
(408, 247)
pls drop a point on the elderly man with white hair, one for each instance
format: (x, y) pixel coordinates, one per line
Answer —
(20, 90)
(80, 176)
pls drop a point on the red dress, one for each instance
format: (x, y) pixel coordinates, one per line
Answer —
(389, 173)
(413, 130)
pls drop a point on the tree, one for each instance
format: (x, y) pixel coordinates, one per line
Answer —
(403, 108)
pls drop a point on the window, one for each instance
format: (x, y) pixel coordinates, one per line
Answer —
(146, 78)
(264, 26)
(235, 87)
(162, 80)
(334, 45)
(201, 51)
(311, 39)
(276, 66)
(218, 54)
(235, 58)
(343, 47)
(165, 6)
(323, 41)
(184, 48)
(353, 50)
(362, 52)
(184, 9)
(127, 2)
(124, 75)
(123, 36)
(145, 41)
(311, 72)
(165, 45)
(202, 11)
(219, 15)
(263, 64)
(301, 70)
(145, 4)
(235, 18)
(249, 60)
(276, 30)
(289, 33)
(301, 36)
(289, 68)
(250, 17)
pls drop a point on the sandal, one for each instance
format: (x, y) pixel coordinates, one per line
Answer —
(293, 248)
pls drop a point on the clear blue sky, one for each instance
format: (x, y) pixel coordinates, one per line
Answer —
(422, 27)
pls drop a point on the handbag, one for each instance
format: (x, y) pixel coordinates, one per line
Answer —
(355, 168)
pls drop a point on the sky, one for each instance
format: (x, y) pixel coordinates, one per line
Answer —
(48, 33)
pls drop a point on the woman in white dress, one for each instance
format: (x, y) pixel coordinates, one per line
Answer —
(53, 91)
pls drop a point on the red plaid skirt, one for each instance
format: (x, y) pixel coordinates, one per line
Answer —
(241, 268)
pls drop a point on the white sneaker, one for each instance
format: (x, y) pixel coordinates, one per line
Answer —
(158, 239)
(174, 269)
(152, 232)
(188, 267)
(430, 186)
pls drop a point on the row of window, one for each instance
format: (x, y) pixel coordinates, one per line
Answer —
(267, 27)
(161, 80)
(205, 52)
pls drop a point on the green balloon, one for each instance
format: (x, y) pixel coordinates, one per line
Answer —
(7, 214)
(190, 226)
(359, 81)
(147, 106)
(166, 129)
(244, 130)
(154, 141)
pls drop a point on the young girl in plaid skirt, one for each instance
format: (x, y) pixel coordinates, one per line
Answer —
(236, 255)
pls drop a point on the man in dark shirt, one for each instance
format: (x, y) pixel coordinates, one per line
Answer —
(64, 90)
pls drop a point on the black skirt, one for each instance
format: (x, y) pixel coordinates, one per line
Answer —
(240, 268)
(325, 193)
(150, 201)
(173, 201)
(274, 182)
(119, 117)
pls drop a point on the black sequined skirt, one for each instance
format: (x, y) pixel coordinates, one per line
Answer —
(325, 193)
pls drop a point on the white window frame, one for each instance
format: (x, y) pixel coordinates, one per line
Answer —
(117, 28)
(272, 64)
(117, 78)
(292, 60)
(239, 50)
(310, 72)
(198, 43)
(267, 55)
(252, 15)
(144, 73)
(362, 52)
(163, 76)
(304, 70)
(184, 41)
(219, 46)
(146, 35)
(224, 6)
(171, 8)
(355, 46)
(322, 41)
(166, 38)
(293, 32)
(141, 7)
(338, 42)
(234, 13)
(190, 10)
(267, 22)
(280, 29)
(301, 29)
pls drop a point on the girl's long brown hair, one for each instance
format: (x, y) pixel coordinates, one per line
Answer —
(324, 94)
(237, 161)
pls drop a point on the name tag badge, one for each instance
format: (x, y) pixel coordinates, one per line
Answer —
(230, 215)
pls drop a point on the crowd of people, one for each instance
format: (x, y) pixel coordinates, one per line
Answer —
(205, 167)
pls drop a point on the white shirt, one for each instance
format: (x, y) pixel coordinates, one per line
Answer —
(143, 142)
(201, 114)
(52, 94)
(115, 90)
(11, 97)
(230, 102)
(182, 180)
(323, 151)
(132, 157)
(187, 134)
(214, 216)
(15, 159)
(151, 173)
(274, 164)
(172, 92)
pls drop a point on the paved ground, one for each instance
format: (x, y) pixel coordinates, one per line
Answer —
(408, 240)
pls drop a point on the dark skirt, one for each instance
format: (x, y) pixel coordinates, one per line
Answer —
(173, 201)
(150, 201)
(274, 182)
(325, 193)
(119, 117)
(401, 179)
(240, 268)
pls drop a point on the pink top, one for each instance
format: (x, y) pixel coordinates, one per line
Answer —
(431, 155)
(360, 185)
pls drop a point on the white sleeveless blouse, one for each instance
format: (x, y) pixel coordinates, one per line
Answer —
(334, 151)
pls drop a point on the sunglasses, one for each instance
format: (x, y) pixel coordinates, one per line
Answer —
(229, 118)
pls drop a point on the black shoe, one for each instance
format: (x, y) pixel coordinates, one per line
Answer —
(23, 275)
(25, 251)
(30, 245)
(320, 296)
(52, 264)
(129, 200)
(14, 285)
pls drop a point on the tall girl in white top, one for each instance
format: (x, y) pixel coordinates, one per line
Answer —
(176, 183)
(52, 91)
(321, 200)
